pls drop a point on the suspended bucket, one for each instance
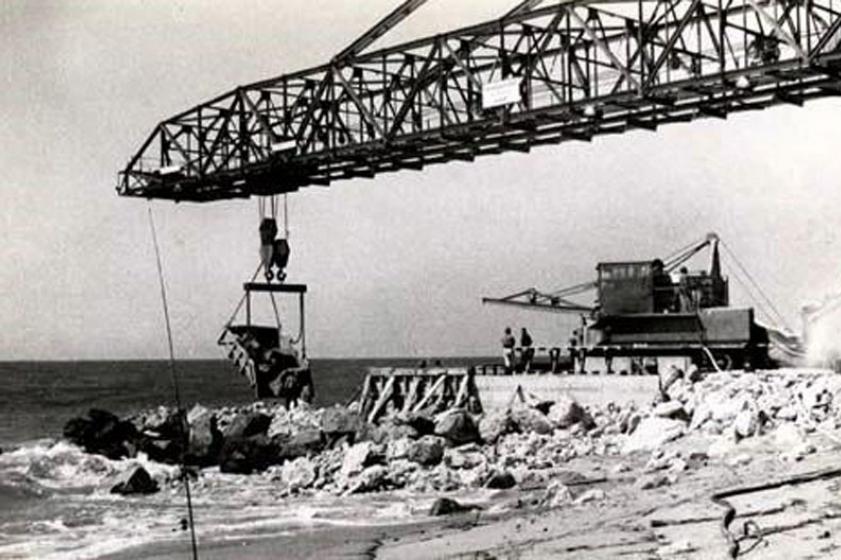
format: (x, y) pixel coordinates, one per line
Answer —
(274, 363)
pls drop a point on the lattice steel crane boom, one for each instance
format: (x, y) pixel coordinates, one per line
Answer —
(544, 73)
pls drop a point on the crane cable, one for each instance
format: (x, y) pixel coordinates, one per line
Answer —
(776, 314)
(240, 304)
(285, 217)
(273, 202)
(300, 336)
(273, 209)
(174, 376)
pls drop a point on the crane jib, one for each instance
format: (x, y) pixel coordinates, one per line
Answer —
(556, 71)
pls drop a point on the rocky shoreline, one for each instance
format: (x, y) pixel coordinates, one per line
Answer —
(332, 450)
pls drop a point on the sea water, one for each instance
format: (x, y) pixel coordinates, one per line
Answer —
(55, 500)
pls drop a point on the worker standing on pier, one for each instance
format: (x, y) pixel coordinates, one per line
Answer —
(508, 343)
(686, 303)
(527, 350)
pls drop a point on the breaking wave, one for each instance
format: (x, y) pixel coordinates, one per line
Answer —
(55, 502)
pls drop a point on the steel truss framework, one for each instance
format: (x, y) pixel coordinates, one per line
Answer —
(584, 69)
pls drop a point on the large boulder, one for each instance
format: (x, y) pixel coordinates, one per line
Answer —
(654, 480)
(247, 424)
(162, 422)
(746, 424)
(248, 455)
(724, 408)
(135, 481)
(204, 439)
(465, 456)
(162, 450)
(528, 419)
(653, 432)
(700, 415)
(788, 413)
(789, 436)
(371, 479)
(340, 422)
(501, 481)
(591, 495)
(566, 411)
(457, 426)
(427, 451)
(495, 424)
(557, 494)
(448, 506)
(360, 456)
(104, 433)
(388, 430)
(298, 474)
(423, 424)
(670, 409)
(398, 449)
(306, 443)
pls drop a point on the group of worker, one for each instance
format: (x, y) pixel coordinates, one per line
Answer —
(509, 344)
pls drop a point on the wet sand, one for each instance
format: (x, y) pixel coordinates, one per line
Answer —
(322, 543)
(675, 521)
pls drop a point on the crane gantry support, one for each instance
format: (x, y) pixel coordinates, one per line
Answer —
(544, 73)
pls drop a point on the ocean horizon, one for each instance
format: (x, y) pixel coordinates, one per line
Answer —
(39, 397)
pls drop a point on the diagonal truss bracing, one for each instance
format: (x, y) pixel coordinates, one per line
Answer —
(544, 73)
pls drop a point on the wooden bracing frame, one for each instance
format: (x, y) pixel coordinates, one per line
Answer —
(413, 390)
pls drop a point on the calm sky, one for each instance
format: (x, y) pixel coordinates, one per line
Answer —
(396, 265)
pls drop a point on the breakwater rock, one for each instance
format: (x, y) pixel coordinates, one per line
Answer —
(333, 450)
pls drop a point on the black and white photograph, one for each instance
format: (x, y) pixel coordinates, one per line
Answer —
(420, 279)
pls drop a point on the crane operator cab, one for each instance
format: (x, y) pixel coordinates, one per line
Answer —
(274, 362)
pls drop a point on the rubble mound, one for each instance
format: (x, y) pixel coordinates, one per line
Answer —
(334, 450)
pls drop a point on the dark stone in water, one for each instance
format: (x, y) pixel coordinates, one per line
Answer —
(104, 433)
(447, 506)
(164, 423)
(249, 455)
(501, 481)
(138, 482)
(162, 450)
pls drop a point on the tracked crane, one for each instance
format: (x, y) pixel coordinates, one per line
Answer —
(654, 314)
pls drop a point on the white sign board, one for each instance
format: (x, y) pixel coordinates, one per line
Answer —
(502, 92)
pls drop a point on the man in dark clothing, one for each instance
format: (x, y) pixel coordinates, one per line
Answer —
(527, 349)
(687, 305)
(508, 343)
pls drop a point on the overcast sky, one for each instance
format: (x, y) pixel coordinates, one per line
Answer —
(396, 265)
